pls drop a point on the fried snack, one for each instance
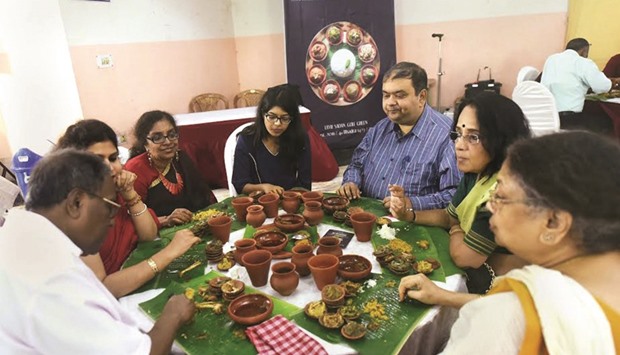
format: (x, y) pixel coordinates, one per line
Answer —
(207, 214)
(423, 244)
(376, 310)
(315, 309)
(350, 288)
(189, 293)
(225, 264)
(423, 267)
(399, 245)
(189, 268)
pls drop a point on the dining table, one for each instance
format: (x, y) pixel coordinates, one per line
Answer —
(607, 104)
(409, 328)
(203, 135)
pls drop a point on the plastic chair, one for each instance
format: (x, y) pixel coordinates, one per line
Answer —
(527, 73)
(208, 102)
(248, 98)
(24, 161)
(538, 105)
(229, 156)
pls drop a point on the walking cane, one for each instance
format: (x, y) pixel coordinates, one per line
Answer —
(440, 73)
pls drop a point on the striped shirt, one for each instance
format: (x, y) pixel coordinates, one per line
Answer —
(422, 161)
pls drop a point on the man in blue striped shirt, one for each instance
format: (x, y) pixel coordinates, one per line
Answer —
(410, 147)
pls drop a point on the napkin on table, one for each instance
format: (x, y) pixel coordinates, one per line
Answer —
(280, 336)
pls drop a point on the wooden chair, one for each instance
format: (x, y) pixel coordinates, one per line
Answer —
(248, 98)
(208, 102)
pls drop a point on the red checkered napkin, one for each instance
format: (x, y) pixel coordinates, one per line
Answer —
(278, 336)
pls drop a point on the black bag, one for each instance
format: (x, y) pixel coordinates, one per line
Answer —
(472, 89)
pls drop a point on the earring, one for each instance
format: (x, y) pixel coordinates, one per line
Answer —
(547, 237)
(177, 155)
(148, 155)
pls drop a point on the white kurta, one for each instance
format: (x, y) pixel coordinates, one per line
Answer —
(51, 302)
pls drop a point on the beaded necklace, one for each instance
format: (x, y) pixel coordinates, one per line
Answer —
(173, 188)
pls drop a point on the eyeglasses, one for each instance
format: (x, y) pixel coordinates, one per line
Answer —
(473, 138)
(495, 202)
(159, 138)
(273, 118)
(113, 207)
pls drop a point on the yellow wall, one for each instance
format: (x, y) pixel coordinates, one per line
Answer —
(597, 21)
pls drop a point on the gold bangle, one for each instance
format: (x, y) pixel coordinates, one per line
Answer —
(153, 265)
(134, 201)
(455, 229)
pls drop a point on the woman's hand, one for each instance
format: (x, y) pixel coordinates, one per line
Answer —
(181, 242)
(178, 216)
(124, 184)
(421, 288)
(269, 188)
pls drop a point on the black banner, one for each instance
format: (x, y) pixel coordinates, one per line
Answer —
(337, 52)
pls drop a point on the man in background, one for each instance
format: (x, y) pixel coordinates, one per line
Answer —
(569, 75)
(411, 147)
(52, 303)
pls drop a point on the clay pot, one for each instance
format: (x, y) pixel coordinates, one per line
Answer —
(256, 216)
(312, 196)
(284, 278)
(240, 204)
(335, 203)
(289, 222)
(242, 247)
(220, 227)
(250, 309)
(301, 254)
(257, 264)
(324, 268)
(313, 213)
(363, 224)
(329, 245)
(290, 201)
(270, 202)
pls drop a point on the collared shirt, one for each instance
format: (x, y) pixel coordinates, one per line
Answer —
(52, 302)
(422, 161)
(569, 76)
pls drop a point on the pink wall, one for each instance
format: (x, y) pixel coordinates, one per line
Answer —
(147, 76)
(261, 61)
(505, 44)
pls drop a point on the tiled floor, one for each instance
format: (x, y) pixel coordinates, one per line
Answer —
(325, 186)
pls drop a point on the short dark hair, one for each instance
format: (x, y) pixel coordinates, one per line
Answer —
(59, 172)
(293, 140)
(85, 133)
(577, 44)
(143, 127)
(501, 123)
(577, 172)
(407, 70)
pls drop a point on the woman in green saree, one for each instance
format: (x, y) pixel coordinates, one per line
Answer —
(484, 126)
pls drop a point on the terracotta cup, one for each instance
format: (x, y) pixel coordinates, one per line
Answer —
(242, 247)
(363, 224)
(290, 201)
(284, 278)
(240, 204)
(220, 227)
(257, 264)
(256, 216)
(329, 245)
(324, 269)
(301, 254)
(312, 196)
(270, 202)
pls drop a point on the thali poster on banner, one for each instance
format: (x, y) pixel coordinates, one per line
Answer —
(337, 52)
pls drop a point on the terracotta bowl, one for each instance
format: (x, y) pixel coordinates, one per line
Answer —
(335, 203)
(312, 196)
(232, 289)
(272, 241)
(354, 267)
(347, 331)
(250, 309)
(290, 222)
(333, 295)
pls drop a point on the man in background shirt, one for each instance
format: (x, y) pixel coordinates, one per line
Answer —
(52, 303)
(410, 147)
(569, 75)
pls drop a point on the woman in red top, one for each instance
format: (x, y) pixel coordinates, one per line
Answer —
(133, 223)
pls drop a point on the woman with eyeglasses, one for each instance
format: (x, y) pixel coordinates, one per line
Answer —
(134, 222)
(484, 126)
(167, 179)
(556, 206)
(273, 154)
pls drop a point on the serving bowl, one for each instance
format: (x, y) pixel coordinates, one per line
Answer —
(354, 267)
(250, 309)
(335, 203)
(270, 240)
(312, 196)
(333, 295)
(290, 222)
